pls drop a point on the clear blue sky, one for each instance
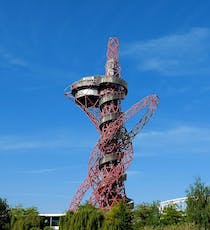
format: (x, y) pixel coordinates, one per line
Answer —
(45, 140)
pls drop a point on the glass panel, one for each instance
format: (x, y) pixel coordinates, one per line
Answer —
(55, 221)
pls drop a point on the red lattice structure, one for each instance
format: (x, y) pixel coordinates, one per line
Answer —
(100, 98)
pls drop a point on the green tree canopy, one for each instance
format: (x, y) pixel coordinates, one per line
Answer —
(4, 214)
(65, 221)
(24, 219)
(146, 215)
(198, 204)
(118, 217)
(171, 216)
(86, 217)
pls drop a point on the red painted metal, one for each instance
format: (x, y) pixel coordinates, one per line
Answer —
(113, 152)
(112, 58)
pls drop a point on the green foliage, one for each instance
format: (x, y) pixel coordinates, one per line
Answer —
(184, 226)
(4, 215)
(47, 228)
(172, 216)
(24, 219)
(118, 218)
(65, 221)
(146, 215)
(86, 217)
(198, 204)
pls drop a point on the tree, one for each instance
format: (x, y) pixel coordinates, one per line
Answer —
(171, 216)
(31, 218)
(118, 217)
(198, 204)
(4, 214)
(24, 219)
(146, 215)
(86, 217)
(65, 221)
(47, 228)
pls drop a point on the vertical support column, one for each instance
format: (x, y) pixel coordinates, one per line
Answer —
(112, 67)
(111, 93)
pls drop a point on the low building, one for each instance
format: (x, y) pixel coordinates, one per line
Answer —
(51, 220)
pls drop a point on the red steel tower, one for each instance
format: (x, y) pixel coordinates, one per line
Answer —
(100, 97)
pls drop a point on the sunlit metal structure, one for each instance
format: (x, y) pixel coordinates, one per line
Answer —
(178, 203)
(100, 97)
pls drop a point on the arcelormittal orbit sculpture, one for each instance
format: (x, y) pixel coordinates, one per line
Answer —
(100, 98)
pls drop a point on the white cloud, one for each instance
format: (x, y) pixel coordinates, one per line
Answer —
(10, 59)
(40, 171)
(177, 141)
(174, 141)
(176, 54)
(46, 170)
(19, 143)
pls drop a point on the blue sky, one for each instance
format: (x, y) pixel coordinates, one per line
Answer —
(45, 140)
